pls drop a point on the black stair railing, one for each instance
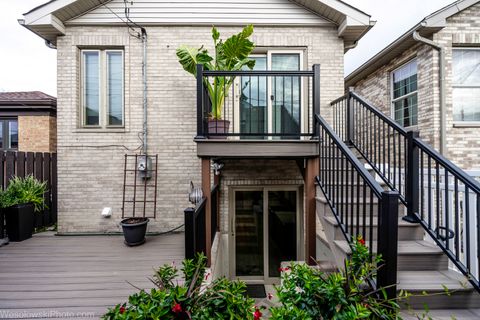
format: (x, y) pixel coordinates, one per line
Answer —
(358, 203)
(443, 198)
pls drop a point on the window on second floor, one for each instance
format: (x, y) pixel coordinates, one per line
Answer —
(466, 84)
(102, 88)
(404, 94)
(8, 133)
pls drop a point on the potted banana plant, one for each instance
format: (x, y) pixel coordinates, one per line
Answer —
(230, 55)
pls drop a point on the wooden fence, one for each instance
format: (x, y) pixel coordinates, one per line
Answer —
(43, 166)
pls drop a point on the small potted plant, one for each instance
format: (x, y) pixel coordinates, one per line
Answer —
(21, 200)
(134, 230)
(230, 55)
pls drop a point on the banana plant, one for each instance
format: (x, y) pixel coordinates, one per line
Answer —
(230, 55)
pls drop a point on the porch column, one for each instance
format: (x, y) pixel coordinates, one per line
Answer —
(310, 213)
(206, 188)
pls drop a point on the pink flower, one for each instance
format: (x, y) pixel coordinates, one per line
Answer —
(269, 296)
(177, 308)
(257, 314)
(206, 276)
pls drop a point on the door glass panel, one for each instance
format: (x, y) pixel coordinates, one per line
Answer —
(282, 231)
(286, 95)
(249, 233)
(253, 101)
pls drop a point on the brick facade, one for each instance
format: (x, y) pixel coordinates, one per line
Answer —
(90, 162)
(462, 143)
(37, 133)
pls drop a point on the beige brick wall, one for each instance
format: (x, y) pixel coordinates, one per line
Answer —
(90, 163)
(463, 145)
(37, 133)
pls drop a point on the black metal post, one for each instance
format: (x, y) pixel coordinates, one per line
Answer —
(387, 243)
(350, 122)
(316, 97)
(2, 224)
(189, 214)
(412, 178)
(200, 93)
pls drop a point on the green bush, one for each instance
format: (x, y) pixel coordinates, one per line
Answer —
(307, 293)
(222, 299)
(22, 191)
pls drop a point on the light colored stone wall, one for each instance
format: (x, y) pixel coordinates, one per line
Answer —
(90, 162)
(463, 145)
(37, 133)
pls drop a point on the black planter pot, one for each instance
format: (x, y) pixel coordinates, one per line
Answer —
(20, 220)
(134, 230)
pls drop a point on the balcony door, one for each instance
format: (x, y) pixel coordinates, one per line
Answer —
(264, 231)
(271, 105)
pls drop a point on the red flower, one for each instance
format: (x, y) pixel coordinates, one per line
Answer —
(361, 241)
(257, 314)
(122, 310)
(177, 308)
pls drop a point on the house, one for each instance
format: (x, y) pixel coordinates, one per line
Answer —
(122, 93)
(428, 80)
(28, 121)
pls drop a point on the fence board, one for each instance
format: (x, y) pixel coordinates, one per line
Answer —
(20, 164)
(30, 163)
(38, 171)
(10, 166)
(46, 178)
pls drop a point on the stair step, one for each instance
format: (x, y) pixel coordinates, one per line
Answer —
(462, 294)
(414, 255)
(406, 230)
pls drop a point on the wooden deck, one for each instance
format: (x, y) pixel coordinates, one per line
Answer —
(78, 277)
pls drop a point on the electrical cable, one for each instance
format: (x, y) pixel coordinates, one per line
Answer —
(116, 233)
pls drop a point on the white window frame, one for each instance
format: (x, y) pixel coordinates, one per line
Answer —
(103, 110)
(392, 100)
(475, 86)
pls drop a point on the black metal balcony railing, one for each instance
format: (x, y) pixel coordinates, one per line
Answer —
(256, 104)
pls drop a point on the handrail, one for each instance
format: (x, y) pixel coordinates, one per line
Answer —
(380, 114)
(473, 184)
(216, 73)
(372, 183)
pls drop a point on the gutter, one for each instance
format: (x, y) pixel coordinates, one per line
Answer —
(441, 51)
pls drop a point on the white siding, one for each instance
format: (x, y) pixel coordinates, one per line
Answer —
(267, 12)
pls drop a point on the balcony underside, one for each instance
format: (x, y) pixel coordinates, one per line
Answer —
(212, 148)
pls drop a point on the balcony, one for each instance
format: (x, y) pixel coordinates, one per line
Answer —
(257, 113)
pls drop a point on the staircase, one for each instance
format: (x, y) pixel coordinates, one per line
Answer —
(427, 234)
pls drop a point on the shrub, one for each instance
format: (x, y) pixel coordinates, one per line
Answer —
(307, 293)
(222, 299)
(24, 190)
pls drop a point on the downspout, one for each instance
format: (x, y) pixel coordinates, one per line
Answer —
(441, 52)
(144, 74)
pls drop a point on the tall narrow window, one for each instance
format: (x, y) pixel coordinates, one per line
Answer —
(404, 94)
(8, 133)
(102, 88)
(466, 84)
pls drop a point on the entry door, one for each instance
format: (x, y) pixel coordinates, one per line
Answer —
(272, 105)
(264, 232)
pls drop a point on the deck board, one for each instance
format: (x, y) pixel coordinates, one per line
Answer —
(77, 277)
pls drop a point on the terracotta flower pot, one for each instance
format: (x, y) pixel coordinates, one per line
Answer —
(218, 128)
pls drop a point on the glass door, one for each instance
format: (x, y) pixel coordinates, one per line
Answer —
(271, 104)
(265, 224)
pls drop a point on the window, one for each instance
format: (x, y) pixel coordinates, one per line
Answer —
(466, 84)
(102, 88)
(404, 94)
(8, 134)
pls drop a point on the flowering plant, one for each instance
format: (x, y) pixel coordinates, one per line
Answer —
(190, 298)
(307, 293)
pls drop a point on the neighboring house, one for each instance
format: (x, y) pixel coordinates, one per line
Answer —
(100, 114)
(404, 80)
(28, 121)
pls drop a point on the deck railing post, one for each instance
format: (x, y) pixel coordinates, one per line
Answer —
(412, 178)
(200, 98)
(316, 97)
(189, 214)
(388, 242)
(350, 121)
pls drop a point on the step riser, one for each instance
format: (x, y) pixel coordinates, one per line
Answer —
(457, 300)
(404, 233)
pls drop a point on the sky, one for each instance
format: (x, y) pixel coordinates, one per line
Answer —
(26, 64)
